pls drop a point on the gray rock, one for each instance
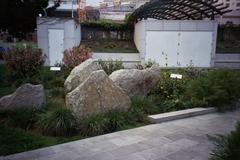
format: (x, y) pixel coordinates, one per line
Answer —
(80, 73)
(97, 94)
(26, 96)
(137, 83)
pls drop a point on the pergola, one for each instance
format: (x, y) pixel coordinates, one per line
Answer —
(179, 10)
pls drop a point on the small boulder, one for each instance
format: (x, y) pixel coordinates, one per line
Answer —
(97, 94)
(80, 73)
(26, 96)
(137, 83)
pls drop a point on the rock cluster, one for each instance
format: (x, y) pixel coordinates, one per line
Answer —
(136, 83)
(91, 90)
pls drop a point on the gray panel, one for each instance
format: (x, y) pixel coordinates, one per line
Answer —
(154, 25)
(171, 25)
(188, 26)
(205, 25)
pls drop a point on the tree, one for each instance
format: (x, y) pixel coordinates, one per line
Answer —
(19, 16)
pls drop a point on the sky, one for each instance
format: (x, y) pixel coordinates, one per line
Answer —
(93, 2)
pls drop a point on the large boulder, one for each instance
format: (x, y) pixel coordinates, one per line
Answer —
(97, 94)
(80, 73)
(26, 96)
(137, 83)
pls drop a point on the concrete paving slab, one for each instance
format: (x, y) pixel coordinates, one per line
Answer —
(164, 141)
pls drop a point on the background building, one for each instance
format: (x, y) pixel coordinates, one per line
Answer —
(231, 17)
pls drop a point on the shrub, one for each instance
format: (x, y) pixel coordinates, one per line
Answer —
(227, 147)
(75, 56)
(111, 65)
(218, 88)
(57, 121)
(24, 61)
(146, 105)
(94, 125)
(169, 88)
(149, 64)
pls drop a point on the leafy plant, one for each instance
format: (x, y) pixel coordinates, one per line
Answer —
(24, 61)
(169, 88)
(148, 64)
(227, 147)
(111, 65)
(94, 125)
(75, 56)
(218, 88)
(57, 121)
(108, 25)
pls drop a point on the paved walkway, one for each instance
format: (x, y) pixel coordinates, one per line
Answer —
(183, 139)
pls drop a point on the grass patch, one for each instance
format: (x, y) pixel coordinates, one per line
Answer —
(113, 46)
(14, 140)
(227, 147)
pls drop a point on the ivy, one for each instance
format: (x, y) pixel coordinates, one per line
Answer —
(108, 25)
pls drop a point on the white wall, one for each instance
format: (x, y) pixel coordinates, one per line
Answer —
(140, 38)
(130, 60)
(175, 43)
(72, 34)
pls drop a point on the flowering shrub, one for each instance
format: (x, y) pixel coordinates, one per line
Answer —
(24, 61)
(75, 56)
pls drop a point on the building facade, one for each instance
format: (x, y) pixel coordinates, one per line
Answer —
(232, 17)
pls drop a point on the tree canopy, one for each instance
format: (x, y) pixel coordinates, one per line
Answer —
(19, 16)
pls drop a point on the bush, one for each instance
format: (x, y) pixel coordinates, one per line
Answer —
(94, 125)
(149, 64)
(24, 61)
(169, 88)
(219, 88)
(227, 147)
(112, 121)
(111, 66)
(75, 56)
(57, 121)
(146, 105)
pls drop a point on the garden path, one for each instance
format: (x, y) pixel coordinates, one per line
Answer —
(184, 139)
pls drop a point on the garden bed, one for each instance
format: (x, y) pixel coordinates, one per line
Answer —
(111, 46)
(197, 88)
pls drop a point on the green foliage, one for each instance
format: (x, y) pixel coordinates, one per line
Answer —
(218, 88)
(57, 121)
(14, 140)
(169, 88)
(112, 121)
(111, 65)
(108, 25)
(23, 62)
(20, 118)
(227, 147)
(148, 64)
(94, 125)
(146, 105)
